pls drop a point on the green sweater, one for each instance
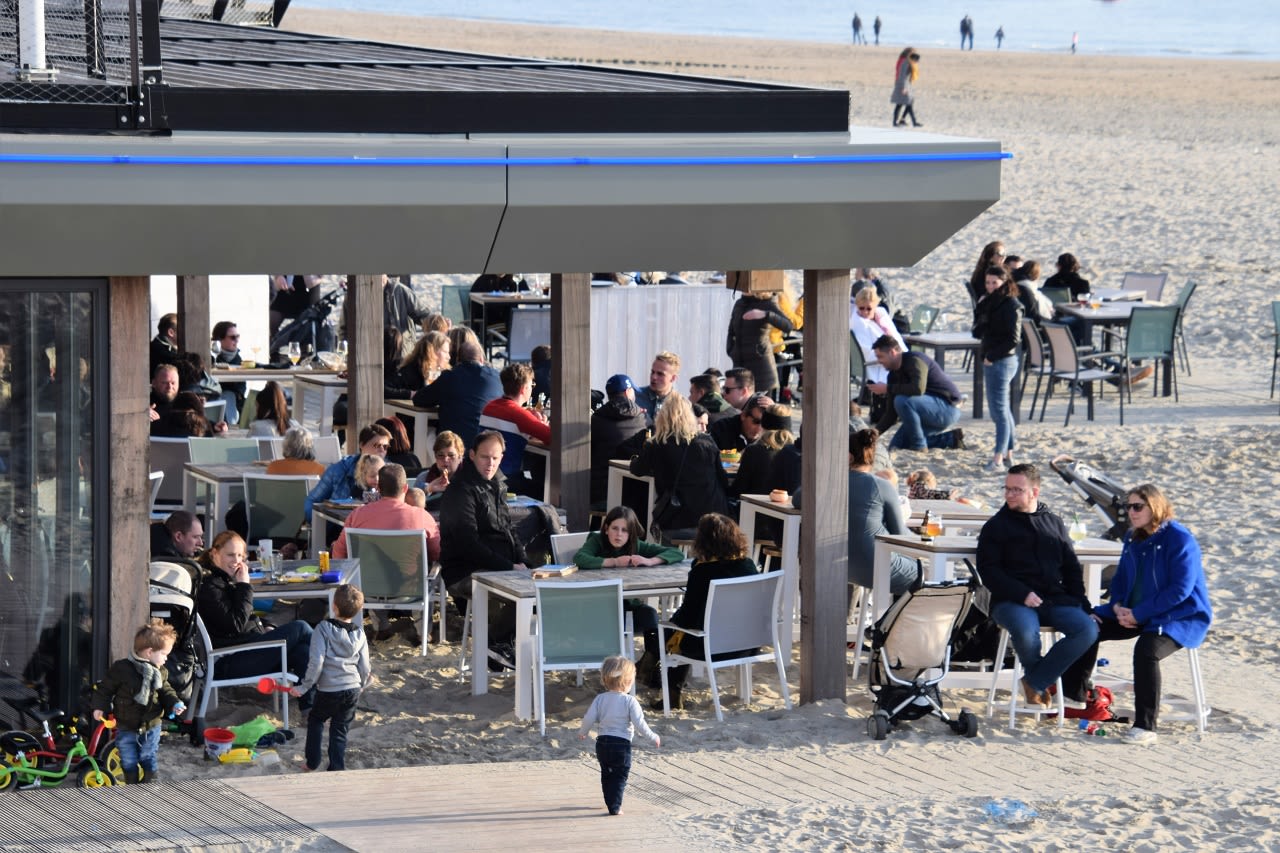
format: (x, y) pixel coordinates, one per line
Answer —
(597, 549)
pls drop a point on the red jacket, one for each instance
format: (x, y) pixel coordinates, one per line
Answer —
(528, 422)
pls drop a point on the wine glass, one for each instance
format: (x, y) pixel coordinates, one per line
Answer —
(295, 352)
(215, 349)
(1077, 531)
(1083, 299)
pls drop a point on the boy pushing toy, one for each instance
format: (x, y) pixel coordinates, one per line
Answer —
(137, 691)
(617, 715)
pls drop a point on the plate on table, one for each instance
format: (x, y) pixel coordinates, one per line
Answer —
(299, 577)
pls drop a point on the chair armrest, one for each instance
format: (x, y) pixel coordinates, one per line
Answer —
(227, 651)
(693, 632)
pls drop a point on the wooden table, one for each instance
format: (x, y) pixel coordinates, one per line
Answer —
(748, 508)
(954, 514)
(939, 553)
(517, 586)
(251, 374)
(943, 342)
(313, 399)
(424, 425)
(221, 480)
(620, 470)
(350, 569)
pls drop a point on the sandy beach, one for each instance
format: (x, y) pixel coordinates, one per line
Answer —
(1131, 164)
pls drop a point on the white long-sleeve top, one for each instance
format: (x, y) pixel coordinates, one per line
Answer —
(618, 715)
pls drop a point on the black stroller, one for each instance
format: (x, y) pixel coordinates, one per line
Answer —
(172, 597)
(911, 653)
(1104, 495)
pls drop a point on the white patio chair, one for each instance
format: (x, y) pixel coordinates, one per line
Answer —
(742, 613)
(579, 624)
(396, 574)
(210, 682)
(1150, 283)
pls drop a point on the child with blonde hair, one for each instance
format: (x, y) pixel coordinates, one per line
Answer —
(136, 689)
(617, 715)
(922, 485)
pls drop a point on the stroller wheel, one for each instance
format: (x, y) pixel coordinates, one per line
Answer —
(968, 725)
(878, 725)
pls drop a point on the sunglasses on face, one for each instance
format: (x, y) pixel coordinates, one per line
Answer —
(1135, 507)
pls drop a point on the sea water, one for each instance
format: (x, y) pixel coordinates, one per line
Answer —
(1236, 29)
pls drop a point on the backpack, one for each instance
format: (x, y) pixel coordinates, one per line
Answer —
(1097, 709)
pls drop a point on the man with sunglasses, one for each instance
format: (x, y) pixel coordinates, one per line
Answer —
(1026, 559)
(746, 428)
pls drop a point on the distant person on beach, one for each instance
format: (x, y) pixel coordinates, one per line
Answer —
(903, 98)
(966, 32)
(1075, 40)
(616, 715)
(1158, 595)
(875, 28)
(999, 37)
(857, 30)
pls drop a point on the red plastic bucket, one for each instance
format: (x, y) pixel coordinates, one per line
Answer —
(218, 741)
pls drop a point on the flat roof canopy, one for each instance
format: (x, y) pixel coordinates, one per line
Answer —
(244, 203)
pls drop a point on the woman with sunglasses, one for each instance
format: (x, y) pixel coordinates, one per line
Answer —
(868, 321)
(339, 480)
(1158, 595)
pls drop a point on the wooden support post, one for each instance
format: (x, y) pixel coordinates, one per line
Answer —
(194, 322)
(570, 469)
(824, 539)
(126, 509)
(364, 355)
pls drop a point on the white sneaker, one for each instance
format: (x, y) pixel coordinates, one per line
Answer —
(1142, 737)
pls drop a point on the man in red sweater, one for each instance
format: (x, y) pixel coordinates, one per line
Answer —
(517, 388)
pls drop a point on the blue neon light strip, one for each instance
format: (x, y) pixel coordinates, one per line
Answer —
(795, 160)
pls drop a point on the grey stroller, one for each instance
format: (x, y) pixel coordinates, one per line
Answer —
(911, 653)
(1102, 494)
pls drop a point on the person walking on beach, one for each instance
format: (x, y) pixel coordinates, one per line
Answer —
(1075, 40)
(966, 32)
(616, 715)
(875, 28)
(999, 37)
(903, 98)
(857, 30)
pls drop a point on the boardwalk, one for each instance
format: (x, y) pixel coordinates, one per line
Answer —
(685, 801)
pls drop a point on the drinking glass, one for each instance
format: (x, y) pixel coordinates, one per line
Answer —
(1077, 531)
(215, 350)
(295, 352)
(934, 527)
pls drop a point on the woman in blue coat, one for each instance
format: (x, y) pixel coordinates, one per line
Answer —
(1158, 595)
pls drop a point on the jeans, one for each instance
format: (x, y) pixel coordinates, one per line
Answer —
(999, 376)
(1023, 624)
(297, 637)
(614, 755)
(139, 749)
(338, 708)
(922, 415)
(1150, 649)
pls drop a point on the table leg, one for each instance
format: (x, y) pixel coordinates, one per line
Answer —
(978, 391)
(479, 639)
(524, 659)
(317, 535)
(747, 524)
(880, 580)
(189, 493)
(613, 496)
(791, 580)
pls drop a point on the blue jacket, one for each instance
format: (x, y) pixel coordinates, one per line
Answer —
(1175, 596)
(461, 392)
(338, 482)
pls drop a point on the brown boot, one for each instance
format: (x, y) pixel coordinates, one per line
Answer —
(1033, 696)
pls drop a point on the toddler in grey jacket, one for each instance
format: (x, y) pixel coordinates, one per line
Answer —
(339, 670)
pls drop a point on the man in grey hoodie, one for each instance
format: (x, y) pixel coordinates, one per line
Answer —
(339, 670)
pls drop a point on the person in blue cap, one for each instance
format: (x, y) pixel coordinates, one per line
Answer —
(617, 431)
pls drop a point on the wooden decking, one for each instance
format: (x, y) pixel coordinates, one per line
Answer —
(683, 799)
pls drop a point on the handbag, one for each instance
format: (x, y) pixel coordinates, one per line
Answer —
(667, 501)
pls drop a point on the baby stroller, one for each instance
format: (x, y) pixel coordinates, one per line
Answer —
(172, 597)
(1104, 495)
(911, 653)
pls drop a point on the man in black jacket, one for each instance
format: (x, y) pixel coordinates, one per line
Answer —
(617, 431)
(737, 433)
(921, 396)
(475, 529)
(1028, 563)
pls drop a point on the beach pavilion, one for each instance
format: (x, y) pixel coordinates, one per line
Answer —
(134, 143)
